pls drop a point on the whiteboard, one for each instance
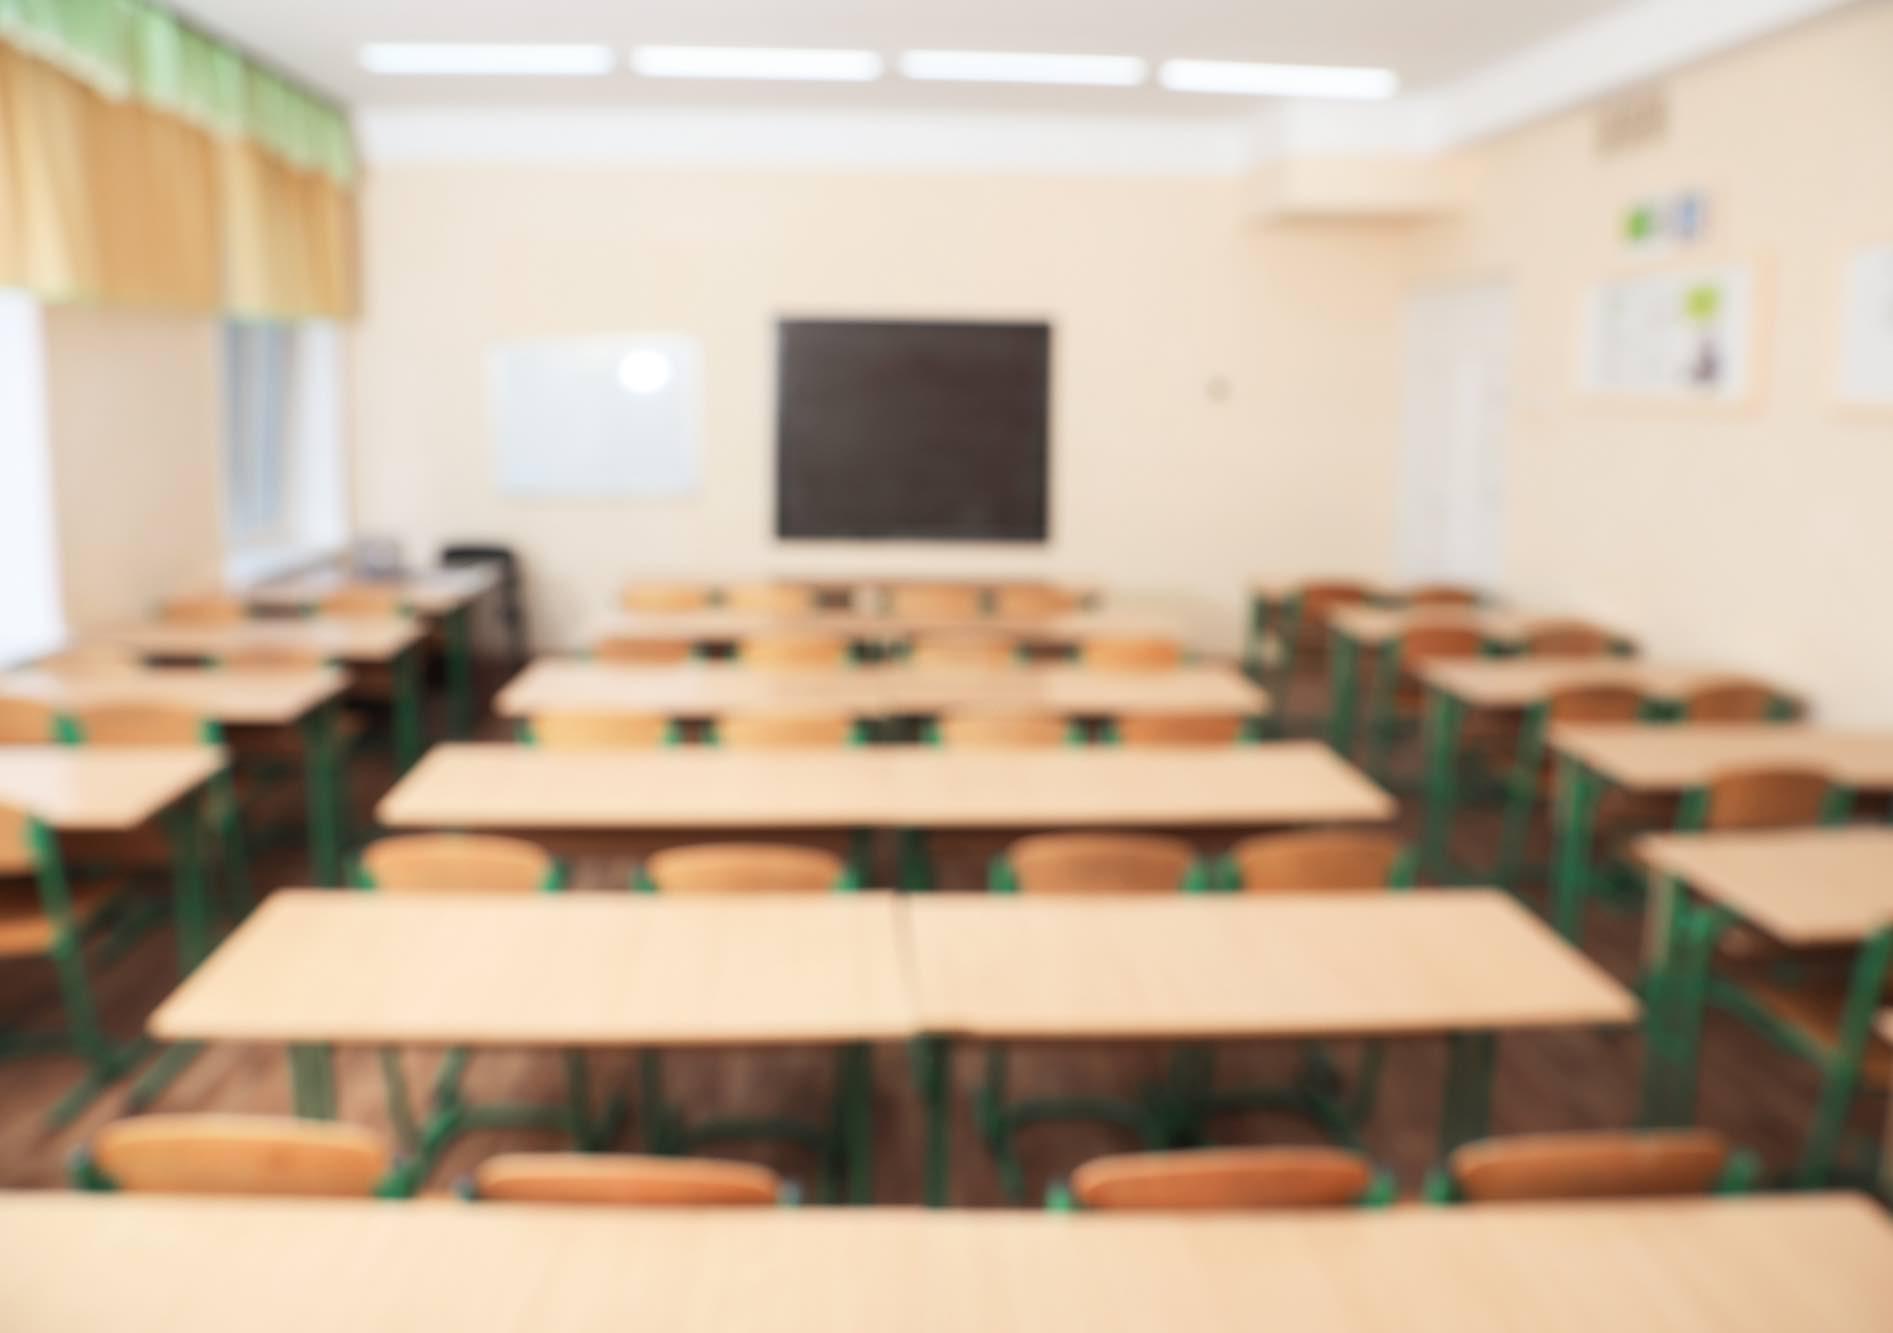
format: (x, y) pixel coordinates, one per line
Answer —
(1866, 370)
(599, 416)
(1685, 334)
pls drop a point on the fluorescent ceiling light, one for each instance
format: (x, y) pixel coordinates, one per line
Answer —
(1252, 80)
(755, 62)
(487, 58)
(1023, 67)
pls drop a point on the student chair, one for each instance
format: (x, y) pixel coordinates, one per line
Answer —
(1566, 638)
(469, 863)
(791, 650)
(1441, 595)
(1130, 652)
(1224, 1180)
(1302, 634)
(1764, 798)
(747, 868)
(629, 650)
(1191, 730)
(1532, 773)
(626, 1180)
(27, 722)
(773, 599)
(365, 601)
(942, 601)
(236, 1155)
(784, 730)
(1325, 859)
(1034, 600)
(1396, 699)
(204, 609)
(1734, 701)
(963, 650)
(1003, 729)
(564, 730)
(666, 598)
(1599, 1164)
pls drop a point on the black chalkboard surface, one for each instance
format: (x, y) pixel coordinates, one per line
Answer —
(909, 430)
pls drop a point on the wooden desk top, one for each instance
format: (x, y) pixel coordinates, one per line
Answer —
(711, 689)
(577, 969)
(432, 592)
(1265, 965)
(77, 788)
(521, 787)
(1502, 683)
(1760, 1264)
(241, 698)
(346, 640)
(730, 626)
(1805, 887)
(1371, 626)
(1670, 758)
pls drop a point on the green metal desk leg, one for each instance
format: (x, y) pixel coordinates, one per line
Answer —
(322, 777)
(190, 906)
(934, 1081)
(857, 1116)
(1843, 1072)
(457, 628)
(1667, 928)
(408, 724)
(1467, 1113)
(1445, 716)
(312, 1081)
(1344, 682)
(1576, 806)
(1255, 651)
(1382, 717)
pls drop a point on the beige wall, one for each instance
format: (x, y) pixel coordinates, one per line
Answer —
(133, 406)
(1759, 539)
(1156, 288)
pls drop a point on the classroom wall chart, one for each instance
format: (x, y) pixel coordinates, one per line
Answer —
(1680, 334)
(1866, 367)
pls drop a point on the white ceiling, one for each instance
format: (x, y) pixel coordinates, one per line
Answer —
(1425, 41)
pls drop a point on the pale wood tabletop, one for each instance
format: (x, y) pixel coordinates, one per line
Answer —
(1730, 1265)
(1519, 682)
(723, 626)
(1805, 887)
(78, 788)
(514, 786)
(1274, 965)
(1655, 758)
(241, 698)
(710, 689)
(432, 592)
(337, 638)
(1371, 626)
(580, 969)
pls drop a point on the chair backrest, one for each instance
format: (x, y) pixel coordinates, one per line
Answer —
(665, 598)
(27, 722)
(240, 1154)
(598, 731)
(1565, 638)
(139, 724)
(1319, 598)
(745, 867)
(768, 730)
(624, 1179)
(364, 601)
(1317, 859)
(969, 649)
(998, 730)
(1034, 599)
(1225, 1179)
(1441, 594)
(263, 657)
(1199, 729)
(1608, 1164)
(1763, 798)
(213, 608)
(963, 601)
(1130, 652)
(1100, 863)
(1434, 643)
(1594, 703)
(1729, 701)
(794, 650)
(772, 599)
(625, 650)
(449, 862)
(16, 843)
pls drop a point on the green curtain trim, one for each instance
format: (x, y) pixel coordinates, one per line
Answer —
(130, 49)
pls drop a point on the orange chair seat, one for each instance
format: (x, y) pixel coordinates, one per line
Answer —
(26, 931)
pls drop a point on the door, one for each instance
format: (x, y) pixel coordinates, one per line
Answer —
(1455, 417)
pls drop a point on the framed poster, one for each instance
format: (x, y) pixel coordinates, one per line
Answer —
(1678, 335)
(1866, 364)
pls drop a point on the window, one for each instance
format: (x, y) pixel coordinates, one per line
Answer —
(32, 620)
(256, 432)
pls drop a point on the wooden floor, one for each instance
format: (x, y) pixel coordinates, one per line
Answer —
(1756, 1095)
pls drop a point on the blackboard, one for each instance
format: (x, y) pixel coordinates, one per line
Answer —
(912, 430)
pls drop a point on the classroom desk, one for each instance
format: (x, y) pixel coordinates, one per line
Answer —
(444, 597)
(80, 789)
(1592, 757)
(707, 690)
(394, 643)
(1463, 964)
(722, 628)
(302, 701)
(500, 786)
(1458, 687)
(311, 969)
(1759, 1264)
(1822, 888)
(1883, 1028)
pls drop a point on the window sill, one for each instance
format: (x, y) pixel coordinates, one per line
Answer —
(262, 564)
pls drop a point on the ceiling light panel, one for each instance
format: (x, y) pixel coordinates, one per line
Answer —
(488, 58)
(1024, 67)
(1245, 79)
(756, 62)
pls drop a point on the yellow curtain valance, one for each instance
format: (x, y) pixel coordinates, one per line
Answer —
(145, 163)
